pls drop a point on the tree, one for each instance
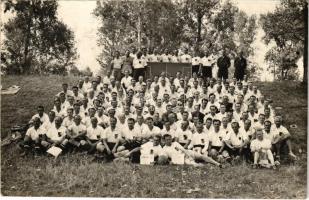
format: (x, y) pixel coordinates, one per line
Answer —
(287, 26)
(35, 40)
(194, 12)
(160, 26)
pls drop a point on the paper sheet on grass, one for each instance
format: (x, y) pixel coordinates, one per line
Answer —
(10, 90)
(55, 151)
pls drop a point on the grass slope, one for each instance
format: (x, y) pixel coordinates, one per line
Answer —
(77, 175)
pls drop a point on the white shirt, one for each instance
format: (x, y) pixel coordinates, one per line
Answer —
(129, 134)
(117, 63)
(126, 81)
(67, 122)
(95, 133)
(111, 135)
(217, 138)
(183, 136)
(196, 60)
(186, 58)
(35, 133)
(200, 139)
(264, 144)
(47, 125)
(148, 149)
(138, 63)
(43, 119)
(174, 149)
(270, 136)
(149, 133)
(239, 138)
(77, 129)
(207, 61)
(55, 134)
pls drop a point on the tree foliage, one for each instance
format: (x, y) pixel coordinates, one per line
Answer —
(35, 40)
(165, 24)
(287, 27)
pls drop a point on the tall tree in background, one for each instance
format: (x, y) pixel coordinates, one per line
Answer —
(160, 25)
(35, 40)
(287, 26)
(194, 12)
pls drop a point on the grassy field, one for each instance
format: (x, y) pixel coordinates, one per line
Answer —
(78, 175)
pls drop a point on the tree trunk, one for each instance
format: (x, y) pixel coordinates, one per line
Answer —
(199, 29)
(26, 63)
(305, 77)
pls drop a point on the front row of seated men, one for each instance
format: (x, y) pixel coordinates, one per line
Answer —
(122, 140)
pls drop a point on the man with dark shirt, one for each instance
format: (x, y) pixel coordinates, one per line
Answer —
(223, 63)
(240, 64)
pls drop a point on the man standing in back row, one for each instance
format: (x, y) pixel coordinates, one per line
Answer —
(224, 62)
(240, 64)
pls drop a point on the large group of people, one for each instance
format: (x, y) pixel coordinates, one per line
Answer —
(164, 119)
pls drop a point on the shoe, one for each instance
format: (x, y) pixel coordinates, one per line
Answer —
(274, 167)
(254, 166)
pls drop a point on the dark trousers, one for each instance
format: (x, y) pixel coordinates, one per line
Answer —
(223, 73)
(207, 72)
(138, 72)
(239, 74)
(195, 68)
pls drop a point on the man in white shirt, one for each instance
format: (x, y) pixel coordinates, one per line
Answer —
(282, 138)
(50, 122)
(33, 136)
(261, 149)
(174, 149)
(207, 64)
(110, 139)
(56, 135)
(116, 66)
(126, 80)
(76, 132)
(153, 147)
(65, 90)
(186, 58)
(237, 144)
(41, 115)
(217, 140)
(150, 130)
(184, 135)
(68, 120)
(93, 136)
(196, 64)
(138, 66)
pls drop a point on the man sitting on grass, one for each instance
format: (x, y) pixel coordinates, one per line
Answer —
(76, 132)
(282, 138)
(93, 136)
(217, 140)
(153, 147)
(56, 135)
(174, 149)
(237, 143)
(130, 143)
(110, 139)
(33, 137)
(41, 115)
(261, 149)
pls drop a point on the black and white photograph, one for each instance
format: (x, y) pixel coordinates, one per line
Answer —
(154, 98)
